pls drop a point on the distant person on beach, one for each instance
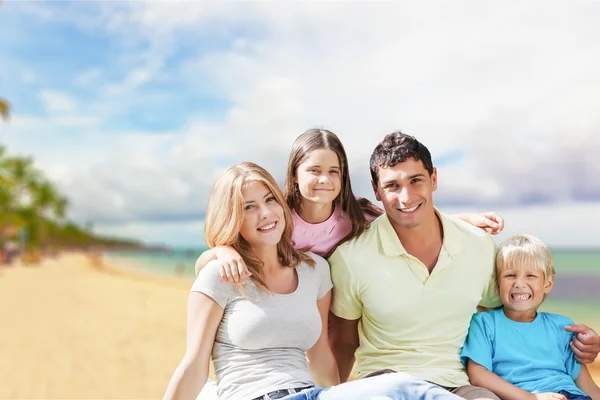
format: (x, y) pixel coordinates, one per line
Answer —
(179, 268)
(266, 335)
(406, 289)
(325, 211)
(516, 351)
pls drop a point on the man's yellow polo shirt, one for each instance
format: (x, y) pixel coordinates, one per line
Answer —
(411, 321)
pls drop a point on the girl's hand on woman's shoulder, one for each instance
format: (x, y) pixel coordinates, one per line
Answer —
(233, 269)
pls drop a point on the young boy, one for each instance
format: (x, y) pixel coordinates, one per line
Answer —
(517, 352)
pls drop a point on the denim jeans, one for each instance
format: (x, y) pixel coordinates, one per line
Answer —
(571, 396)
(396, 386)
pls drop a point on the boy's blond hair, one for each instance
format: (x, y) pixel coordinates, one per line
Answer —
(525, 250)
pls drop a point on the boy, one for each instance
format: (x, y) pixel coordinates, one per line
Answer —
(517, 352)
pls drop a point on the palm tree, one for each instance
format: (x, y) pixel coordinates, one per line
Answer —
(20, 174)
(4, 109)
(44, 202)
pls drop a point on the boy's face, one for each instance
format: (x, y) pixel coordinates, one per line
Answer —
(523, 289)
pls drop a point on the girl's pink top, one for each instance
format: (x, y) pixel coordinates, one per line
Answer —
(321, 238)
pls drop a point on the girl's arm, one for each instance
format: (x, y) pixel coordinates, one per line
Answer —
(206, 257)
(490, 221)
(203, 318)
(482, 377)
(233, 268)
(321, 362)
(585, 382)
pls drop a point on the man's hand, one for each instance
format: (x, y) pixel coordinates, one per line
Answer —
(585, 344)
(491, 222)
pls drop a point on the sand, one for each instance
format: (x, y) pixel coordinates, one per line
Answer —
(74, 331)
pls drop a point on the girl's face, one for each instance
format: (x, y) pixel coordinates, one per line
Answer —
(319, 176)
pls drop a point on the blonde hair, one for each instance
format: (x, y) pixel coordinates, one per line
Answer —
(525, 250)
(225, 215)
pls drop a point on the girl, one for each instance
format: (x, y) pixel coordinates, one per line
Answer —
(261, 350)
(325, 211)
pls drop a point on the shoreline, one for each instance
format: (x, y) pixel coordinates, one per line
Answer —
(125, 267)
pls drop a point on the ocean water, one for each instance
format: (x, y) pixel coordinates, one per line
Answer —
(174, 261)
(576, 291)
(567, 261)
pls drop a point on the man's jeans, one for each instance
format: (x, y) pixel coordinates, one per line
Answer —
(396, 386)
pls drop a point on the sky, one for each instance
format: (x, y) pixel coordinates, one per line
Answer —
(133, 108)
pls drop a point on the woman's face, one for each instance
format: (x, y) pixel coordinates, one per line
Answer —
(264, 220)
(319, 176)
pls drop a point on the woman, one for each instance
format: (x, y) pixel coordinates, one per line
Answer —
(267, 338)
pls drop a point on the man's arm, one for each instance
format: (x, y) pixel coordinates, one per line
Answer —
(585, 344)
(343, 340)
(490, 222)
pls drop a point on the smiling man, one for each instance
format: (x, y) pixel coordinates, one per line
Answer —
(406, 289)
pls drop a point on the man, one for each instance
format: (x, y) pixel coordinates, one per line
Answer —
(405, 290)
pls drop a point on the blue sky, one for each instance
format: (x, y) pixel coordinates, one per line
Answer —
(134, 107)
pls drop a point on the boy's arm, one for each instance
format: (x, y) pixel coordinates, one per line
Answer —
(585, 382)
(482, 377)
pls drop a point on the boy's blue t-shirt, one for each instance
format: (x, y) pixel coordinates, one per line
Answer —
(534, 356)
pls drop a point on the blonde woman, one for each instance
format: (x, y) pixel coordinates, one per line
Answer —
(268, 338)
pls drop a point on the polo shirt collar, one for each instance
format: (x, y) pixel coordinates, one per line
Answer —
(390, 243)
(453, 238)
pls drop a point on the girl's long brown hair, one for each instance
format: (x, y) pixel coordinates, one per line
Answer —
(315, 139)
(225, 215)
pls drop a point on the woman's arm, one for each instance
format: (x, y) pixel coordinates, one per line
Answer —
(490, 221)
(321, 362)
(203, 318)
(585, 382)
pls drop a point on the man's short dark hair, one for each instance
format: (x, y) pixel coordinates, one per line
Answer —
(396, 148)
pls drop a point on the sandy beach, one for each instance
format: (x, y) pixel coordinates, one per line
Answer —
(71, 330)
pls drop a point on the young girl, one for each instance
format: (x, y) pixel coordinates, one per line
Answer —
(325, 211)
(261, 350)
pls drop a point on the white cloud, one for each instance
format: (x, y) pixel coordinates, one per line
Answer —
(513, 86)
(572, 224)
(28, 76)
(88, 77)
(181, 233)
(55, 102)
